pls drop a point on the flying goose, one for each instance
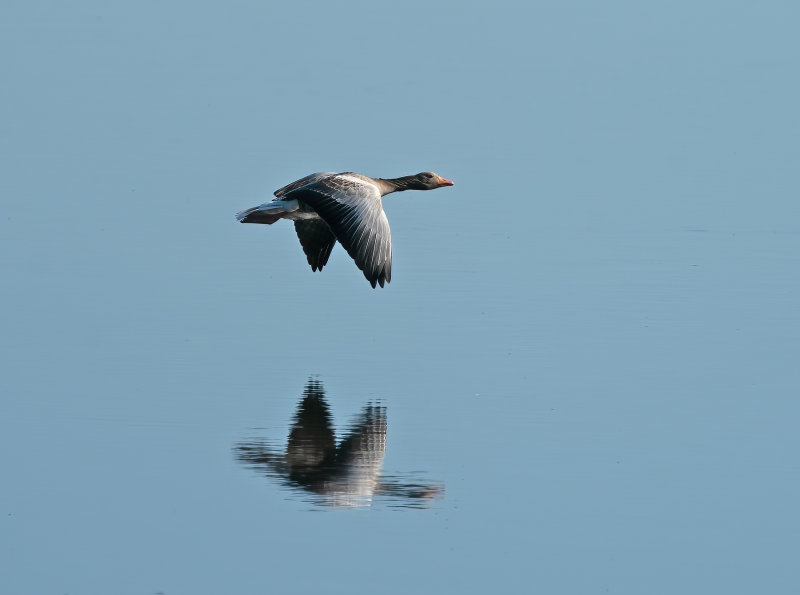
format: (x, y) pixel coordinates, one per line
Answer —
(347, 207)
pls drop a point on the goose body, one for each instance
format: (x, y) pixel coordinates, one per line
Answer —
(327, 207)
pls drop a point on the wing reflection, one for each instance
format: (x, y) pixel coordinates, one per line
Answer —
(345, 475)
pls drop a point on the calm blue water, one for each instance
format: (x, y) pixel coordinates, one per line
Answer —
(582, 379)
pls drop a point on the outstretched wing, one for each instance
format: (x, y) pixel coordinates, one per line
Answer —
(352, 207)
(365, 444)
(317, 240)
(359, 458)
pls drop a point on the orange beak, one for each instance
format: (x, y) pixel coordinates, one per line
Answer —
(444, 182)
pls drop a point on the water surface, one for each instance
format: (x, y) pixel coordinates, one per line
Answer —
(585, 365)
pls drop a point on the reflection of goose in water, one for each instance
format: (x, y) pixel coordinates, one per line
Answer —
(345, 475)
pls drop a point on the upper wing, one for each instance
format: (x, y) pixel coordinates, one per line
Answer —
(359, 458)
(365, 443)
(352, 208)
(317, 240)
(310, 179)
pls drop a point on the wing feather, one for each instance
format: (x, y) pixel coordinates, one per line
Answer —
(309, 179)
(317, 240)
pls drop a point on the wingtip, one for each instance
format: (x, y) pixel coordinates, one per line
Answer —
(381, 278)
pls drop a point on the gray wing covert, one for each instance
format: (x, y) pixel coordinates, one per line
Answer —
(352, 208)
(310, 179)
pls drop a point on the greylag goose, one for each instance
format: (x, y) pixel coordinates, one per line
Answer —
(347, 207)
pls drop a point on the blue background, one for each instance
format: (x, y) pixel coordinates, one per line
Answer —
(591, 340)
